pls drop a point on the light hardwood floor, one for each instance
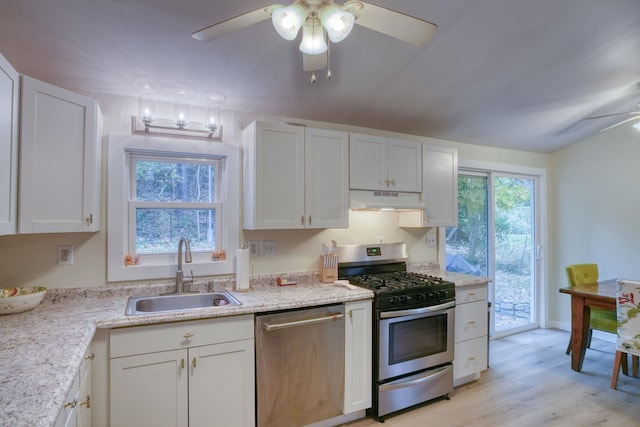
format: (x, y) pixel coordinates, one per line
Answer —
(530, 383)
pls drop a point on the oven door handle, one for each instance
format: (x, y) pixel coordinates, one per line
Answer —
(401, 313)
(401, 383)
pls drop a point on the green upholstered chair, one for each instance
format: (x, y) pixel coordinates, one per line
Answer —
(601, 320)
(628, 321)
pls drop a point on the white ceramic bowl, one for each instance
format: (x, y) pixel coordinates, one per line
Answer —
(17, 300)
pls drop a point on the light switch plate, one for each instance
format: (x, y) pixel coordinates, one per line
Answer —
(267, 247)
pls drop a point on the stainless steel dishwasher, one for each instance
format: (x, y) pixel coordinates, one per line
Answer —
(300, 366)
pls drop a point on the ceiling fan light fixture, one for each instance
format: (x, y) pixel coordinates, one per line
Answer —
(287, 20)
(313, 42)
(337, 22)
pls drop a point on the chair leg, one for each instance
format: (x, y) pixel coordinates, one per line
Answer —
(634, 365)
(569, 346)
(589, 340)
(616, 369)
(625, 363)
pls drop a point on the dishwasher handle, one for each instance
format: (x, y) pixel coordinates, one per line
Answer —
(295, 323)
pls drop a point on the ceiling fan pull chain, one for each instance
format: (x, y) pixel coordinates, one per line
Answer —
(328, 59)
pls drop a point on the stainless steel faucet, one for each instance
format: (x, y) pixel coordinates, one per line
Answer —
(180, 281)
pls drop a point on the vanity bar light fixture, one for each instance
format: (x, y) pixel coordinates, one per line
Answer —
(180, 126)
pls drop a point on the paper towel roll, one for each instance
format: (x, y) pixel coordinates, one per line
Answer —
(242, 269)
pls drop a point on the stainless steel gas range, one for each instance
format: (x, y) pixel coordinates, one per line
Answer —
(413, 326)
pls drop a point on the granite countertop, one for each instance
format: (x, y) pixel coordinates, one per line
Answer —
(42, 349)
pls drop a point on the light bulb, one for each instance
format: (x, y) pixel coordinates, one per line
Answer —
(337, 22)
(288, 20)
(313, 42)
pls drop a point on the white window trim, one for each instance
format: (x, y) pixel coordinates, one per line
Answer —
(119, 145)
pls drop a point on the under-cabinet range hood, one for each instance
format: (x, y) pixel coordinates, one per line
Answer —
(379, 200)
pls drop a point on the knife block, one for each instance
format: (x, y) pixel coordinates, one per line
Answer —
(328, 268)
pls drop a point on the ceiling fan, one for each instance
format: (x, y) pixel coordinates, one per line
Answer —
(634, 115)
(323, 22)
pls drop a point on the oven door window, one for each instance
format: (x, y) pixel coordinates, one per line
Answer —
(414, 339)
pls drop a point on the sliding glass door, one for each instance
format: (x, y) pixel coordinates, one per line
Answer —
(496, 237)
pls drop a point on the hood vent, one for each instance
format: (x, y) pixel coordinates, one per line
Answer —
(378, 200)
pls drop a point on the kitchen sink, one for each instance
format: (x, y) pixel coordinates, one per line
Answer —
(178, 302)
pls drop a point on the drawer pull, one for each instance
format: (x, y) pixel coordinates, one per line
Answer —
(181, 363)
(71, 404)
(87, 402)
(193, 362)
(90, 357)
(471, 322)
(188, 335)
(472, 294)
(471, 358)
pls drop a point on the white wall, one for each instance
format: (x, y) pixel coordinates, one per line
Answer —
(594, 193)
(31, 259)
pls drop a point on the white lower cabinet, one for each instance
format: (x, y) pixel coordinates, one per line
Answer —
(471, 333)
(76, 410)
(196, 373)
(358, 349)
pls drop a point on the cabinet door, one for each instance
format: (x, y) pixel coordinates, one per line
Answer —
(274, 176)
(405, 166)
(440, 185)
(59, 179)
(9, 98)
(222, 385)
(83, 409)
(367, 162)
(326, 179)
(358, 349)
(150, 390)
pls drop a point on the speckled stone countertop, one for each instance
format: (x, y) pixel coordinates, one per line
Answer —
(42, 349)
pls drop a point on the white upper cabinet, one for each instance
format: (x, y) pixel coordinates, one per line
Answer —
(59, 160)
(439, 189)
(379, 163)
(9, 120)
(295, 177)
(440, 185)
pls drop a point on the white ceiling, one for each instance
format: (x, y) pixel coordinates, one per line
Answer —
(505, 73)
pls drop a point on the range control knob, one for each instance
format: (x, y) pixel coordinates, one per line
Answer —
(421, 297)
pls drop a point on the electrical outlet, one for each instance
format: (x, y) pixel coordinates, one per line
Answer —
(267, 247)
(432, 237)
(65, 254)
(254, 248)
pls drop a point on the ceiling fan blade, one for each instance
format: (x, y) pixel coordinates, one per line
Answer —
(236, 23)
(314, 62)
(398, 25)
(630, 113)
(630, 119)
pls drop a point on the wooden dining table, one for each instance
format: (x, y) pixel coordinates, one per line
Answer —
(601, 294)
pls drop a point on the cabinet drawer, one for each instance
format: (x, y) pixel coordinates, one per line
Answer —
(171, 336)
(471, 320)
(466, 294)
(471, 357)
